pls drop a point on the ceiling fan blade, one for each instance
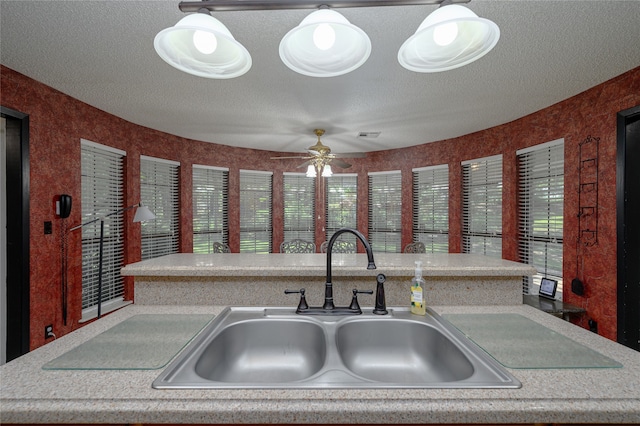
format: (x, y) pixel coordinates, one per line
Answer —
(288, 158)
(352, 155)
(340, 163)
(305, 164)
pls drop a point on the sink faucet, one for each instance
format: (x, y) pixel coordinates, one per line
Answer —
(328, 286)
(329, 308)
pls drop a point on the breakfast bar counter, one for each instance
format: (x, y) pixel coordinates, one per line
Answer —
(260, 279)
(30, 394)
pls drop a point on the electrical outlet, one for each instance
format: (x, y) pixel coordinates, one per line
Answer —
(48, 228)
(48, 331)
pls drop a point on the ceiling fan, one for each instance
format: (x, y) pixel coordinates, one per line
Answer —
(320, 156)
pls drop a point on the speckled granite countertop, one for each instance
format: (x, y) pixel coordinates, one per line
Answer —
(235, 264)
(29, 394)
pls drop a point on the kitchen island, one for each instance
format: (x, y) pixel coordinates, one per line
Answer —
(205, 284)
(29, 394)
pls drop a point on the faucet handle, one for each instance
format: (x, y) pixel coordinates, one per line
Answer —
(355, 306)
(302, 305)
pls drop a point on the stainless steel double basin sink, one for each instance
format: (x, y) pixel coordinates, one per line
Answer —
(276, 348)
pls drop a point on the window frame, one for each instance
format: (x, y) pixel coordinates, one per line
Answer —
(430, 195)
(160, 192)
(102, 188)
(349, 195)
(256, 235)
(210, 202)
(299, 207)
(385, 195)
(482, 195)
(540, 199)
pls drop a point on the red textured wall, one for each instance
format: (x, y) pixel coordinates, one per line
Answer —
(58, 122)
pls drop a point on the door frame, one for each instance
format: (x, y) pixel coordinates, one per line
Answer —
(18, 262)
(628, 231)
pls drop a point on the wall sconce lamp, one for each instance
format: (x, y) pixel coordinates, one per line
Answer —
(325, 43)
(142, 214)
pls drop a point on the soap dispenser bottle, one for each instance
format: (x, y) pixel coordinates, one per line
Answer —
(418, 302)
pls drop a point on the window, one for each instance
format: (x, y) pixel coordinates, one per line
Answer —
(102, 193)
(299, 207)
(159, 191)
(540, 211)
(210, 207)
(255, 211)
(385, 211)
(341, 205)
(431, 208)
(482, 206)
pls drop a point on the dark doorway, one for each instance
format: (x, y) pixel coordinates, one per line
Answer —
(17, 236)
(628, 227)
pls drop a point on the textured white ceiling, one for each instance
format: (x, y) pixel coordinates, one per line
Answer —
(101, 52)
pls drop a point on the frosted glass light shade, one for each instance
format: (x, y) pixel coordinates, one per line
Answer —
(311, 171)
(450, 37)
(326, 171)
(350, 49)
(178, 46)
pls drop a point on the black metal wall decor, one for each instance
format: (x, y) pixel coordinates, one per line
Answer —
(588, 192)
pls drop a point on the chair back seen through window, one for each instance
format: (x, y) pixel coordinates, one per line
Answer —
(339, 246)
(415, 247)
(297, 246)
(221, 248)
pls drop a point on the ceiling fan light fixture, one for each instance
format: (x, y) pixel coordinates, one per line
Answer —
(450, 37)
(201, 45)
(311, 171)
(326, 171)
(325, 44)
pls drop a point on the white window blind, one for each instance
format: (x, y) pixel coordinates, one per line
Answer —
(102, 193)
(385, 211)
(341, 205)
(299, 207)
(540, 213)
(431, 208)
(256, 189)
(482, 206)
(160, 192)
(210, 207)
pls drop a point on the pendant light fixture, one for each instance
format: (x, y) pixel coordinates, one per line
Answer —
(450, 37)
(325, 44)
(201, 45)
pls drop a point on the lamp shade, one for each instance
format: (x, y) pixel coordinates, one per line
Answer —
(201, 45)
(326, 171)
(143, 214)
(311, 171)
(325, 44)
(450, 37)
